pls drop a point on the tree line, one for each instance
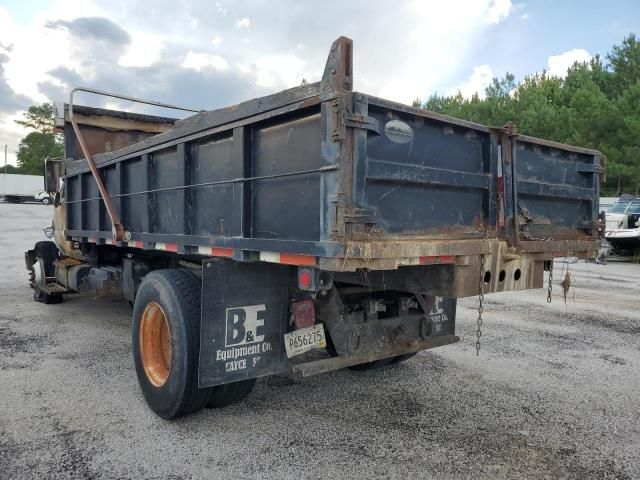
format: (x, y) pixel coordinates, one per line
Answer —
(42, 142)
(596, 105)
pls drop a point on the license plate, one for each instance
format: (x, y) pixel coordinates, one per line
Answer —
(305, 339)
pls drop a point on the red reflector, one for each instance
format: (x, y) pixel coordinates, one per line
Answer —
(293, 259)
(436, 260)
(304, 313)
(222, 252)
(304, 278)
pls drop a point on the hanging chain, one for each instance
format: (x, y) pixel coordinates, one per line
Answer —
(550, 287)
(480, 306)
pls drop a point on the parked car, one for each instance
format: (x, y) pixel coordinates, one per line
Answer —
(623, 224)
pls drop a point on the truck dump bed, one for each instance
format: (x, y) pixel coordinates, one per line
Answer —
(324, 176)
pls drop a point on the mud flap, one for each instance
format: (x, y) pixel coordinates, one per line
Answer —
(244, 318)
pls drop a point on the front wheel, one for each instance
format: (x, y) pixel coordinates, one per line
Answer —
(46, 253)
(46, 201)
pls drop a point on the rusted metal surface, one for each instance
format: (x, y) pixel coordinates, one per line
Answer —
(110, 121)
(155, 344)
(334, 363)
(117, 230)
(101, 141)
(506, 269)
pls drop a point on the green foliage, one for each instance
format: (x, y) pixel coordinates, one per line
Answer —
(597, 105)
(39, 118)
(10, 169)
(625, 63)
(39, 144)
(34, 148)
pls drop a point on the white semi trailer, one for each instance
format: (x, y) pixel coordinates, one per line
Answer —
(20, 188)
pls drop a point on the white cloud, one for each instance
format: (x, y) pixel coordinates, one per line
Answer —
(434, 50)
(221, 9)
(559, 64)
(199, 60)
(10, 134)
(412, 64)
(274, 70)
(243, 23)
(145, 50)
(479, 79)
(498, 10)
(400, 53)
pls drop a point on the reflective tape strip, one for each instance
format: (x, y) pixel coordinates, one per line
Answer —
(222, 252)
(215, 251)
(288, 258)
(167, 247)
(135, 243)
(437, 260)
(293, 259)
(271, 257)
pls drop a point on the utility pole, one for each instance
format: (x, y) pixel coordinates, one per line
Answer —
(4, 178)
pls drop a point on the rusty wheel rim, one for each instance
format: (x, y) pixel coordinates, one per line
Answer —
(155, 344)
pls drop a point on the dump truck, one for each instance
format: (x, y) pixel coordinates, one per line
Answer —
(310, 230)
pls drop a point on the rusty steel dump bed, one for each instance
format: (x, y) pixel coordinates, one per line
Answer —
(324, 176)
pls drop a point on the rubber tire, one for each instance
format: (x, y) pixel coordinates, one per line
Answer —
(47, 253)
(225, 395)
(178, 293)
(46, 201)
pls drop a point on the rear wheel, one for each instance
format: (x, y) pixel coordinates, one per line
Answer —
(46, 201)
(166, 342)
(166, 347)
(225, 395)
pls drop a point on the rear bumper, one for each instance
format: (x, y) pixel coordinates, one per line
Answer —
(454, 269)
(335, 363)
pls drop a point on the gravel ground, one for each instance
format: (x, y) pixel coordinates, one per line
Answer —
(554, 394)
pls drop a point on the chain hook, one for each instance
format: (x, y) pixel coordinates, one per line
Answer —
(480, 306)
(550, 286)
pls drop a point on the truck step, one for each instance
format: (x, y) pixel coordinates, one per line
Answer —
(335, 363)
(53, 287)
